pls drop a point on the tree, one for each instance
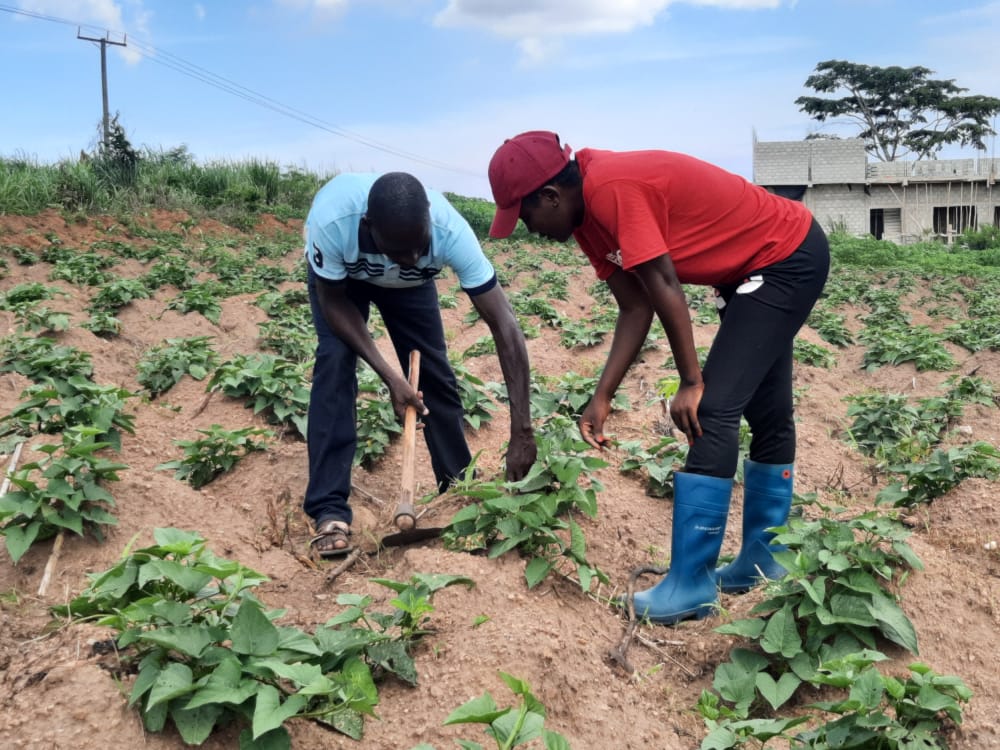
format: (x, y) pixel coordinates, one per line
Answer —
(902, 112)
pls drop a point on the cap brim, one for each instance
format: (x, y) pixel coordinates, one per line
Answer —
(505, 221)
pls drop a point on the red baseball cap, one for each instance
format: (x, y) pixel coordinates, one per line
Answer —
(518, 168)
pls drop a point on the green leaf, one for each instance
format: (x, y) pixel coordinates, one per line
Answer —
(224, 685)
(149, 670)
(276, 739)
(178, 541)
(173, 681)
(345, 721)
(777, 693)
(188, 639)
(847, 607)
(578, 543)
(270, 713)
(195, 724)
(20, 538)
(720, 738)
(893, 623)
(536, 571)
(252, 632)
(183, 576)
(781, 635)
(529, 729)
(750, 629)
(868, 689)
(393, 657)
(437, 581)
(155, 718)
(554, 740)
(481, 710)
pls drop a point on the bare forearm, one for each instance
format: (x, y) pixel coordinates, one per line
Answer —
(631, 329)
(346, 322)
(513, 356)
(673, 312)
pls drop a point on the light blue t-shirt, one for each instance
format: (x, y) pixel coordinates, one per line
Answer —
(334, 252)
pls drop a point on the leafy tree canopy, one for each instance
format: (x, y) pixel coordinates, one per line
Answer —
(903, 112)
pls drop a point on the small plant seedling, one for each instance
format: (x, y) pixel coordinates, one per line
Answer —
(216, 453)
(510, 727)
(162, 367)
(63, 490)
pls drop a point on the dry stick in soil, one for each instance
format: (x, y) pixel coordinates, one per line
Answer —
(348, 561)
(367, 495)
(50, 566)
(617, 655)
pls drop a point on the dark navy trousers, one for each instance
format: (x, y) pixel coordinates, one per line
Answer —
(412, 319)
(749, 367)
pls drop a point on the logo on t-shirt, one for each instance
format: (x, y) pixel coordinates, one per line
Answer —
(317, 257)
(615, 257)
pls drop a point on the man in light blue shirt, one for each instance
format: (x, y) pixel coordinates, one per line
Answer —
(382, 240)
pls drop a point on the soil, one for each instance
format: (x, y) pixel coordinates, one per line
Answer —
(56, 693)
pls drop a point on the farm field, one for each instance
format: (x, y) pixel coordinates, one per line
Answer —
(61, 684)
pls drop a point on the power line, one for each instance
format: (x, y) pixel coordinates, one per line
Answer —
(179, 65)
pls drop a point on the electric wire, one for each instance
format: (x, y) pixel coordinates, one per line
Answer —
(199, 73)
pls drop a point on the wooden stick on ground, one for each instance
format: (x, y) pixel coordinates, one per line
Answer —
(50, 566)
(618, 654)
(11, 466)
(352, 558)
(367, 495)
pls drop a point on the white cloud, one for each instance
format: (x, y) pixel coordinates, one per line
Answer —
(519, 19)
(199, 11)
(100, 17)
(537, 25)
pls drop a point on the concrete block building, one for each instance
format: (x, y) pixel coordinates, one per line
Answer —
(901, 201)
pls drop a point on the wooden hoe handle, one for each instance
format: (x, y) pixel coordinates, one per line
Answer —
(406, 518)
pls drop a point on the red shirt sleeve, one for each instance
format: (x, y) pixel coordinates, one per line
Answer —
(634, 214)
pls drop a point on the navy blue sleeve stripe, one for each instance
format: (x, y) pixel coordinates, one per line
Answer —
(477, 290)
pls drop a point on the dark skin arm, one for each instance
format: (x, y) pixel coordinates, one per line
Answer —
(635, 314)
(652, 287)
(494, 307)
(346, 322)
(659, 278)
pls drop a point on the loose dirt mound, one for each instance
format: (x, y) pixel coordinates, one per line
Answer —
(56, 691)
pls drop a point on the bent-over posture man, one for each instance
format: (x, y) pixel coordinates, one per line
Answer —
(382, 240)
(650, 221)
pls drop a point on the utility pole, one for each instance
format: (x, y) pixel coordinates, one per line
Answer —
(104, 42)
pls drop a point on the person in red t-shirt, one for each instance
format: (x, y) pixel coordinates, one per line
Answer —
(650, 221)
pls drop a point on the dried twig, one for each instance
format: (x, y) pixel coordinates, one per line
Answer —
(11, 466)
(618, 654)
(352, 558)
(203, 405)
(367, 495)
(50, 566)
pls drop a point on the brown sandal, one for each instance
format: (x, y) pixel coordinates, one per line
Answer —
(330, 533)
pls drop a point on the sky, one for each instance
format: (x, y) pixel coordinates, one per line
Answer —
(433, 87)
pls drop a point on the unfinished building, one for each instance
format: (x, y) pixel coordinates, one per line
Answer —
(901, 201)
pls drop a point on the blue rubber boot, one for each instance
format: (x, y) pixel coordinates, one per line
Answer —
(767, 498)
(701, 506)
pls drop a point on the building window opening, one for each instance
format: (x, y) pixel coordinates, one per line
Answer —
(951, 220)
(886, 224)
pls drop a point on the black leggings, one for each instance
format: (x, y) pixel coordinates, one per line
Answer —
(749, 367)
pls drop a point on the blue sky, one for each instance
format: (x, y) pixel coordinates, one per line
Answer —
(433, 86)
